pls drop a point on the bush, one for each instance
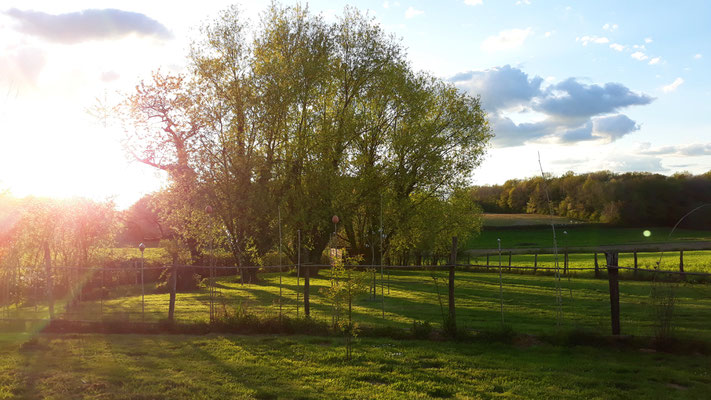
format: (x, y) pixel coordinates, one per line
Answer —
(421, 330)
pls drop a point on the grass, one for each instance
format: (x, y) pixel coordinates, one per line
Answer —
(580, 236)
(92, 366)
(500, 220)
(694, 261)
(529, 303)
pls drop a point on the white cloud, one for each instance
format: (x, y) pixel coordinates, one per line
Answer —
(617, 47)
(412, 12)
(655, 60)
(673, 86)
(697, 56)
(592, 39)
(610, 27)
(473, 2)
(86, 25)
(521, 109)
(506, 40)
(648, 40)
(521, 2)
(638, 55)
(387, 4)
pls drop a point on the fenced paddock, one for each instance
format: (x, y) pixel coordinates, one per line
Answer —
(540, 302)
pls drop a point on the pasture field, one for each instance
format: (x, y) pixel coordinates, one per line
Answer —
(694, 261)
(93, 366)
(500, 220)
(581, 236)
(529, 303)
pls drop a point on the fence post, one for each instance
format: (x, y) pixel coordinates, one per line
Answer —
(597, 267)
(509, 260)
(487, 260)
(307, 284)
(452, 263)
(48, 272)
(172, 283)
(681, 263)
(635, 264)
(612, 276)
(565, 262)
(535, 262)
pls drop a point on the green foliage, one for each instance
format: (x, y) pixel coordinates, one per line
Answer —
(628, 199)
(311, 118)
(421, 329)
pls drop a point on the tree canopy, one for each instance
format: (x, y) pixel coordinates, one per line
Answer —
(634, 198)
(306, 119)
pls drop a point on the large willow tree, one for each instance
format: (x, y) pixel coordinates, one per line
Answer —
(309, 119)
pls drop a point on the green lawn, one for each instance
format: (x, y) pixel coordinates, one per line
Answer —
(499, 220)
(280, 367)
(580, 236)
(529, 303)
(694, 261)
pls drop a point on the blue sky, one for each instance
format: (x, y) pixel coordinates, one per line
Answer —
(597, 85)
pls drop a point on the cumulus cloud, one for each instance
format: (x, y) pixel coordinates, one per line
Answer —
(571, 98)
(566, 112)
(592, 39)
(613, 127)
(655, 60)
(697, 56)
(673, 86)
(506, 40)
(607, 129)
(473, 2)
(617, 47)
(92, 24)
(648, 40)
(610, 27)
(500, 87)
(412, 12)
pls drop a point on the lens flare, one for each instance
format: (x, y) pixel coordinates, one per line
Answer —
(647, 233)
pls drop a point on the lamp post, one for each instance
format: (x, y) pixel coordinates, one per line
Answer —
(142, 247)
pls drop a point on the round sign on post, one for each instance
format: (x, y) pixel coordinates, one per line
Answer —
(208, 209)
(141, 247)
(335, 219)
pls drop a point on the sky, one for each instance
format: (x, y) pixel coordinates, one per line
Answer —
(584, 86)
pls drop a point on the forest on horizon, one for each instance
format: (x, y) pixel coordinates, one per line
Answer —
(628, 199)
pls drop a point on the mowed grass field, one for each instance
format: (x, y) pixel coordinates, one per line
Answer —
(534, 231)
(694, 261)
(529, 303)
(92, 366)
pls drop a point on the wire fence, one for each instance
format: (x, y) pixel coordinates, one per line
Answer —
(536, 300)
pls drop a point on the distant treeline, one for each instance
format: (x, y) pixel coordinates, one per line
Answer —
(622, 199)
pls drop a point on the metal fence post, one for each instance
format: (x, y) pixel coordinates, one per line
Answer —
(48, 272)
(452, 263)
(612, 276)
(173, 284)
